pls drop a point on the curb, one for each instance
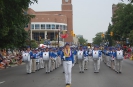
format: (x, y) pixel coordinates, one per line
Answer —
(13, 66)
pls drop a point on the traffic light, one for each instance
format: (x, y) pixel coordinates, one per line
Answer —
(102, 35)
(72, 33)
(111, 33)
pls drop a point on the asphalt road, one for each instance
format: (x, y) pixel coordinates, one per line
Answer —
(17, 77)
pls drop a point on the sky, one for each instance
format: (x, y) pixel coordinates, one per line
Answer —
(89, 16)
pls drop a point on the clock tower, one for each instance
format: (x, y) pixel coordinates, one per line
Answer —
(68, 11)
(66, 5)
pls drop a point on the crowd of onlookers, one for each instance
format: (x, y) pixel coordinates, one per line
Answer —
(10, 57)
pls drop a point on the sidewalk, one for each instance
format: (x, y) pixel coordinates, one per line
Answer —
(14, 65)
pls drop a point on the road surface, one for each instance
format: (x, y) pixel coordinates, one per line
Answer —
(17, 77)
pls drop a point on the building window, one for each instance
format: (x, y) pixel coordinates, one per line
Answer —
(63, 27)
(60, 27)
(57, 26)
(53, 26)
(26, 26)
(32, 26)
(37, 26)
(48, 26)
(42, 26)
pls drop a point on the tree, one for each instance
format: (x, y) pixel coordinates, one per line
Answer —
(122, 20)
(97, 40)
(82, 41)
(13, 19)
(108, 36)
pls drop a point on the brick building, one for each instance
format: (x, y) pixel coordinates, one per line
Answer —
(114, 8)
(49, 24)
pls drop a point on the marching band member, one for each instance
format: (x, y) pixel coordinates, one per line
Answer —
(86, 55)
(41, 59)
(37, 60)
(68, 63)
(81, 59)
(27, 59)
(118, 60)
(104, 55)
(52, 63)
(58, 58)
(75, 55)
(55, 58)
(112, 58)
(95, 55)
(63, 60)
(34, 61)
(90, 54)
(46, 59)
(107, 57)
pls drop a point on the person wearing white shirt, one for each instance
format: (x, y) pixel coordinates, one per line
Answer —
(80, 55)
(96, 54)
(118, 60)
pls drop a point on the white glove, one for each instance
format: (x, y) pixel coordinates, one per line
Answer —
(64, 57)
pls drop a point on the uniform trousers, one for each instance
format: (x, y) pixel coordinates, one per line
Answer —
(68, 70)
(58, 61)
(29, 66)
(86, 63)
(96, 65)
(63, 66)
(118, 65)
(41, 63)
(112, 64)
(104, 58)
(33, 65)
(75, 59)
(81, 64)
(52, 67)
(47, 65)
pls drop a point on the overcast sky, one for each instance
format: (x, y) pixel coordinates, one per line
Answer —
(90, 16)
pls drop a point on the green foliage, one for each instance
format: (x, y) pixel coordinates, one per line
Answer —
(82, 41)
(34, 44)
(13, 21)
(108, 37)
(98, 39)
(122, 20)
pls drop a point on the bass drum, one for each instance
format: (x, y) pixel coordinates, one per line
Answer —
(95, 55)
(119, 55)
(46, 56)
(26, 57)
(80, 55)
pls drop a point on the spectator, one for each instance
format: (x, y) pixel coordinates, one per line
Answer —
(19, 59)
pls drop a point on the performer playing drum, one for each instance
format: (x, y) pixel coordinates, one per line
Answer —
(27, 59)
(46, 59)
(80, 56)
(95, 55)
(118, 60)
